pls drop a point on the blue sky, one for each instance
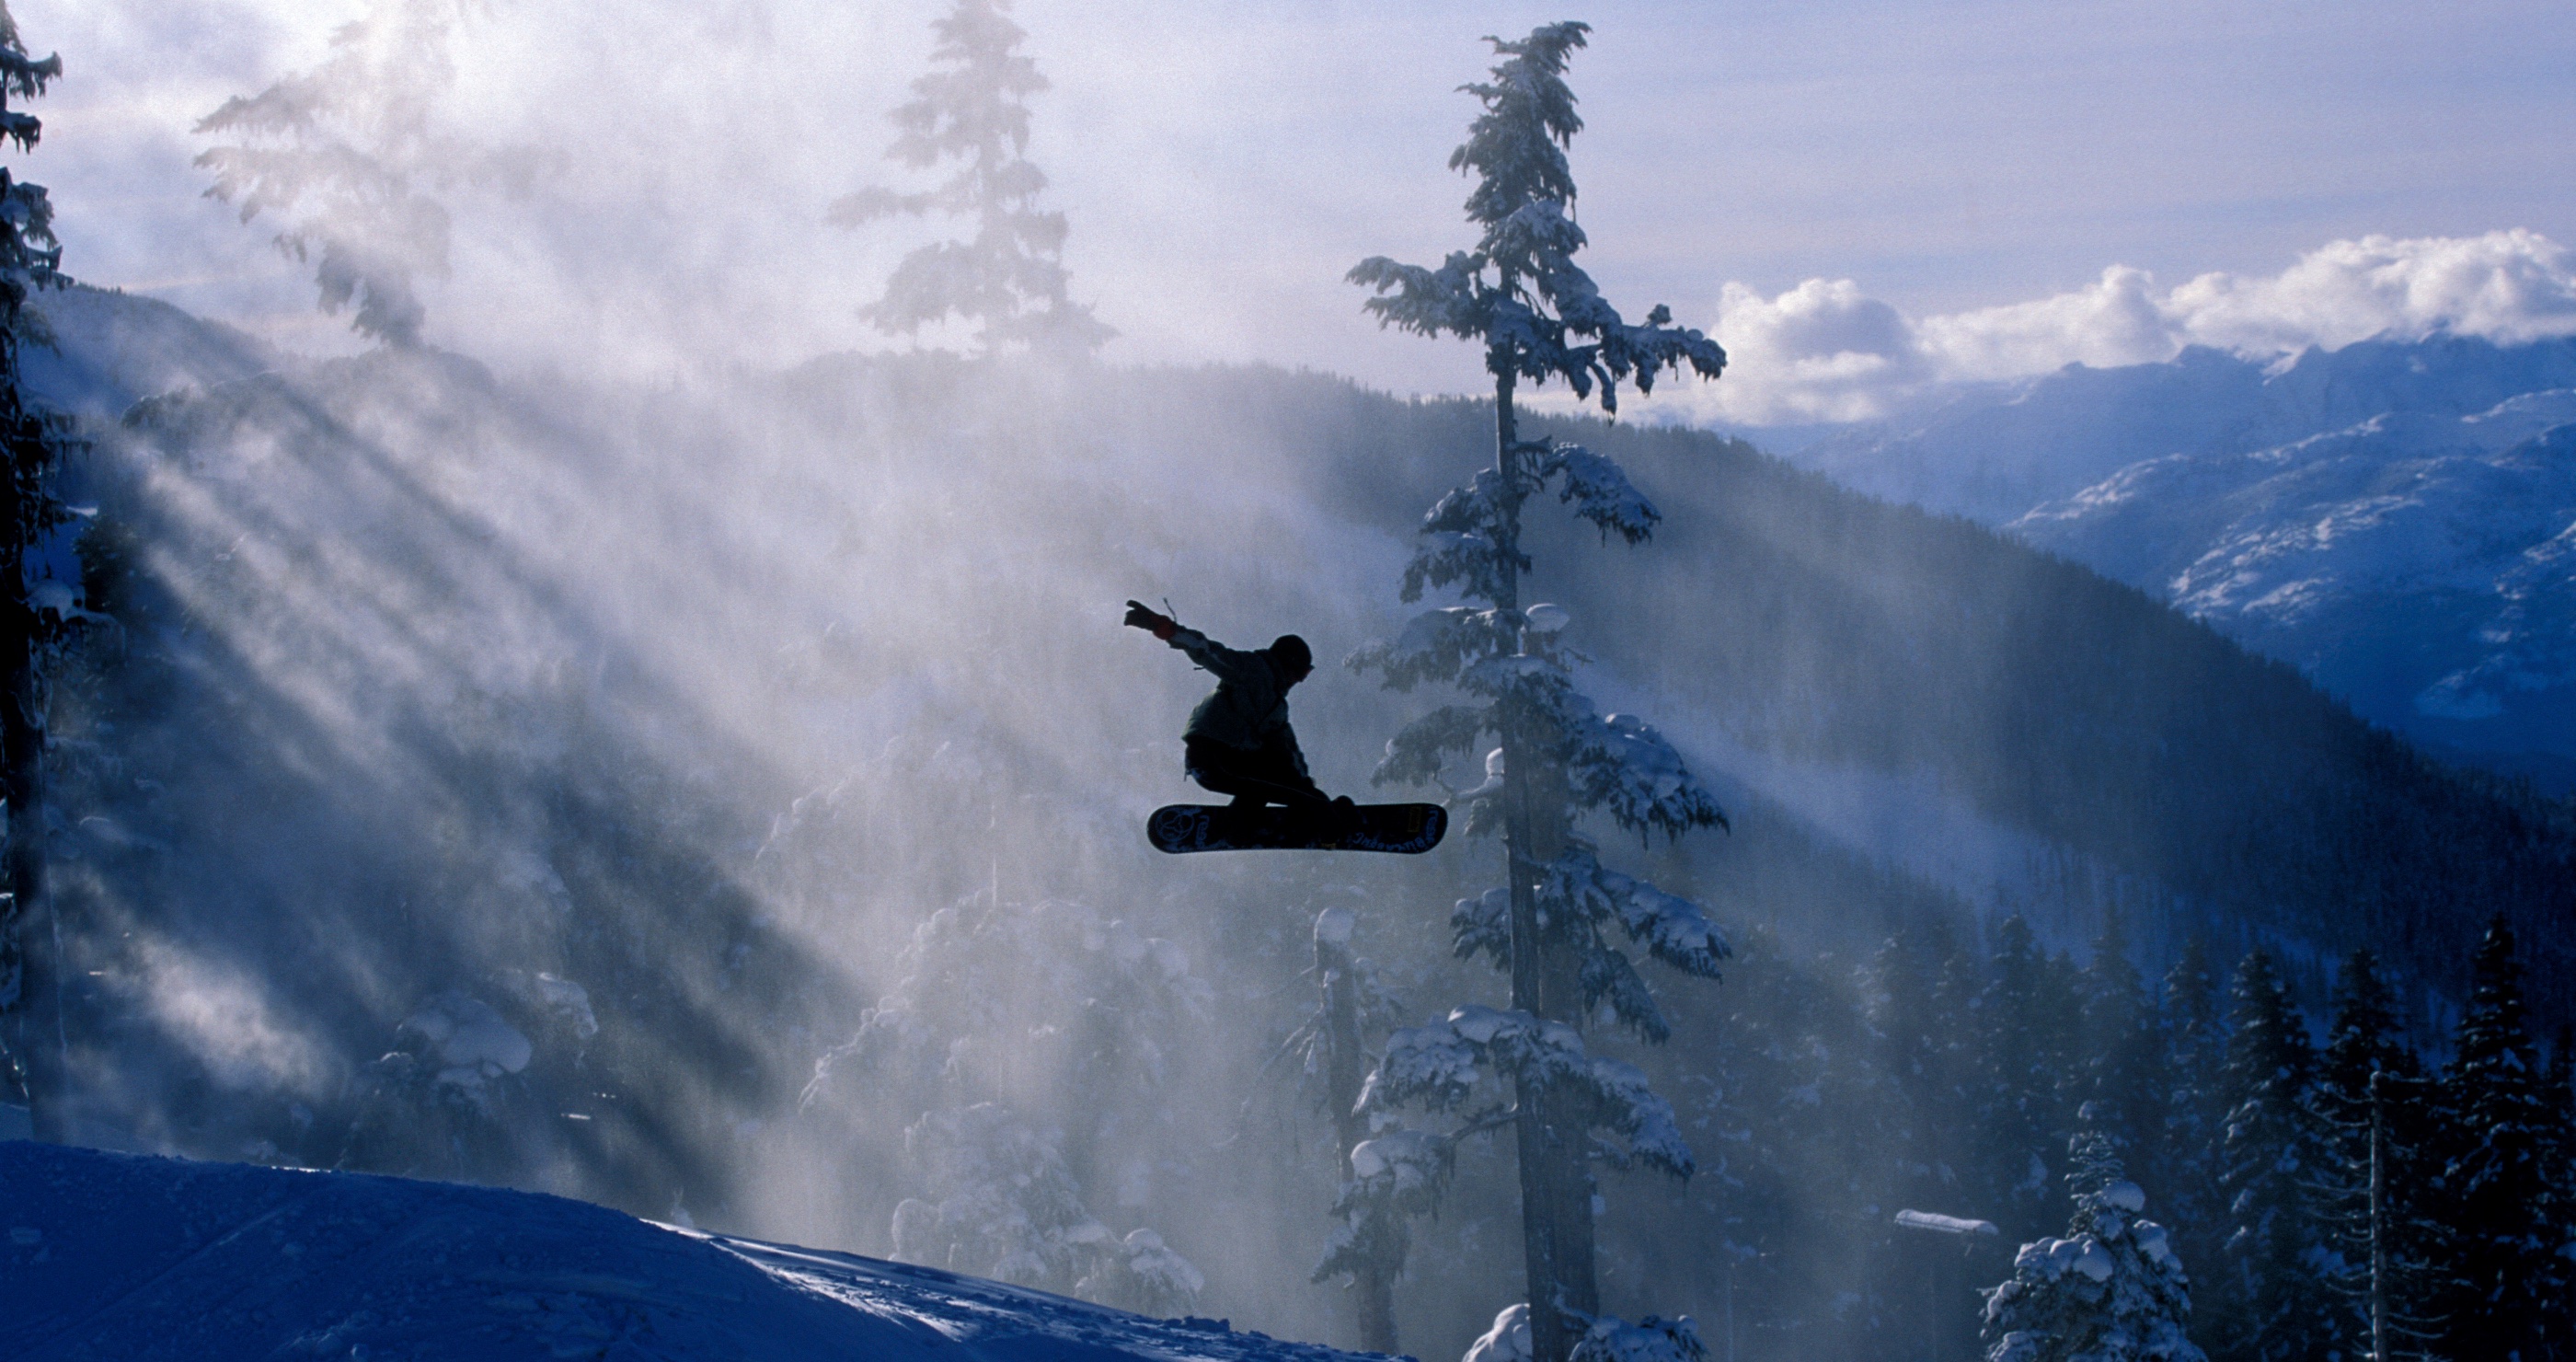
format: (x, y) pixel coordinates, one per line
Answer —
(1223, 162)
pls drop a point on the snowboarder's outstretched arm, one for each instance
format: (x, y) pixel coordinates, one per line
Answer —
(1160, 626)
(1229, 664)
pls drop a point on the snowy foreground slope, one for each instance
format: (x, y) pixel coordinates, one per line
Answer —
(115, 1256)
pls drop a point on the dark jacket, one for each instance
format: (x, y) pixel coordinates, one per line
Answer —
(1250, 707)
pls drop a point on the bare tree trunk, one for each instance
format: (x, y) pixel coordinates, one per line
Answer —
(2378, 1219)
(1555, 1167)
(1373, 1284)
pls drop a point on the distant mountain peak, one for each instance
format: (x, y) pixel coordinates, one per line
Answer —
(2380, 515)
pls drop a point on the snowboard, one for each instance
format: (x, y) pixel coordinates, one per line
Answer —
(1407, 829)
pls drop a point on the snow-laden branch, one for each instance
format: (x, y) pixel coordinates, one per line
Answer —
(1437, 645)
(1629, 1106)
(1472, 563)
(1483, 926)
(1670, 928)
(1442, 1065)
(1392, 1179)
(1415, 754)
(1622, 766)
(1582, 899)
(1618, 764)
(1468, 539)
(1449, 301)
(1599, 491)
(1652, 1339)
(1607, 977)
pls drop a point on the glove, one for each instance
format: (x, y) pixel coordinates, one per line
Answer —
(1160, 626)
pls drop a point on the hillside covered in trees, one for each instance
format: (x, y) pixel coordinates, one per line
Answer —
(422, 814)
(718, 794)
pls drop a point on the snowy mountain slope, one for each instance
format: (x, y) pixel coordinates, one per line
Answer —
(2386, 517)
(115, 1256)
(110, 350)
(441, 693)
(1993, 451)
(2418, 565)
(2092, 745)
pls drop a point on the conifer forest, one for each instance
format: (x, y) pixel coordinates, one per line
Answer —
(578, 701)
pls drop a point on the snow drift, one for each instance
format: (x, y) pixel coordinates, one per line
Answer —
(113, 1256)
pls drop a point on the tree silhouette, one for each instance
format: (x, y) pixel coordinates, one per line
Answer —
(346, 155)
(2505, 1176)
(1539, 317)
(31, 611)
(1008, 279)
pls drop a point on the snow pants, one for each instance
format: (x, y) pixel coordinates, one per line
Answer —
(1268, 774)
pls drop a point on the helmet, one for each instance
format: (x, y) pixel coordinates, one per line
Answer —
(1291, 653)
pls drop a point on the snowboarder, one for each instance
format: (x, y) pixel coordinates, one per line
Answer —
(1238, 741)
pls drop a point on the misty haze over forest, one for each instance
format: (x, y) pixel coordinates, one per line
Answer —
(626, 697)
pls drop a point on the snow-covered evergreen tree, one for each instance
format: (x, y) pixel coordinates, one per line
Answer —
(1538, 316)
(999, 1001)
(1008, 279)
(1922, 1029)
(458, 1096)
(2271, 1300)
(2370, 1094)
(2026, 1028)
(2195, 1118)
(1918, 1034)
(1002, 1204)
(348, 157)
(32, 612)
(2111, 1290)
(1389, 1176)
(2510, 1264)
(2123, 1063)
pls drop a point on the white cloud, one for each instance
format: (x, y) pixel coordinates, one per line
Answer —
(1820, 352)
(2119, 320)
(2506, 286)
(1825, 351)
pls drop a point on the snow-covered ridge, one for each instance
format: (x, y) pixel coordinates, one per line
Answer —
(113, 1256)
(2416, 564)
(2393, 518)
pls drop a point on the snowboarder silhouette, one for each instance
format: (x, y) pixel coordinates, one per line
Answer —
(1238, 741)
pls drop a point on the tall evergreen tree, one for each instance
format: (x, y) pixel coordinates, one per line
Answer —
(1918, 1032)
(2374, 1180)
(2112, 1290)
(349, 155)
(33, 441)
(2123, 1063)
(1539, 317)
(1921, 993)
(999, 1002)
(1008, 279)
(2508, 1296)
(2195, 1121)
(2271, 1298)
(1388, 1178)
(2025, 1032)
